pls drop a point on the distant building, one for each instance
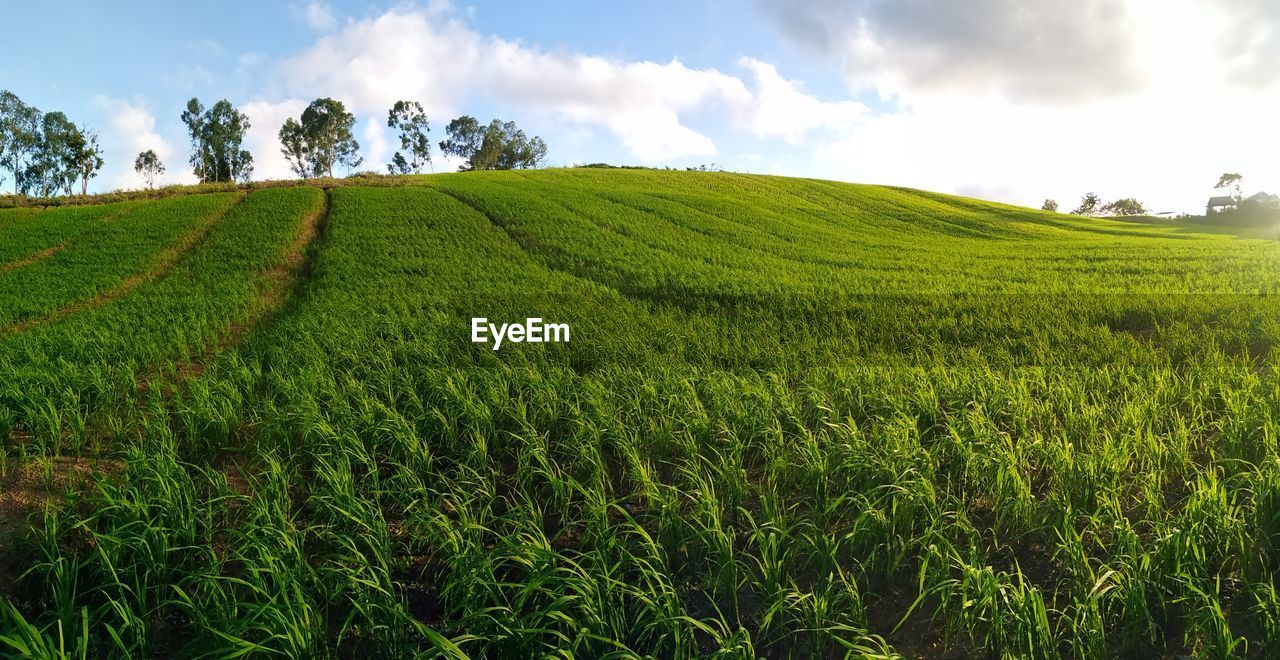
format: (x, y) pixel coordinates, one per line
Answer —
(1219, 204)
(1264, 199)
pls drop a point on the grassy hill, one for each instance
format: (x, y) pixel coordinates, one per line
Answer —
(794, 417)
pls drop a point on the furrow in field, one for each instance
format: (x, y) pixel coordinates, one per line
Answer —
(45, 253)
(539, 259)
(280, 284)
(35, 258)
(164, 262)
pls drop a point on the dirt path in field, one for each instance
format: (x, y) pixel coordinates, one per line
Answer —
(35, 258)
(280, 284)
(49, 252)
(164, 262)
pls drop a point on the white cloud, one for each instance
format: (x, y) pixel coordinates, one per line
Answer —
(319, 16)
(130, 130)
(1164, 140)
(780, 109)
(434, 57)
(265, 120)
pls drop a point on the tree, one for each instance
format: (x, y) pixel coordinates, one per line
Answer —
(54, 165)
(1088, 204)
(149, 167)
(19, 135)
(1126, 206)
(87, 155)
(409, 118)
(1230, 181)
(465, 136)
(322, 138)
(498, 146)
(217, 135)
(1050, 205)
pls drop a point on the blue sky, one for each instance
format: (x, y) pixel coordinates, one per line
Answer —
(991, 98)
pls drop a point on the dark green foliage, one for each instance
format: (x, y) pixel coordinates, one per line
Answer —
(19, 135)
(498, 146)
(1090, 204)
(217, 136)
(409, 119)
(1125, 206)
(323, 137)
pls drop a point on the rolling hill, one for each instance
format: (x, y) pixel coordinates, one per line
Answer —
(792, 417)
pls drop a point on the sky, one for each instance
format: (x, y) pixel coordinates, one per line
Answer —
(1007, 100)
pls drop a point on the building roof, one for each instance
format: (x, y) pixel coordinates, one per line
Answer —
(1263, 197)
(1222, 201)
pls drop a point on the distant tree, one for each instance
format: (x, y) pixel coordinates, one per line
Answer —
(149, 167)
(1050, 205)
(293, 144)
(323, 137)
(1126, 206)
(498, 146)
(87, 155)
(1089, 204)
(1232, 182)
(217, 137)
(464, 137)
(409, 118)
(19, 135)
(54, 165)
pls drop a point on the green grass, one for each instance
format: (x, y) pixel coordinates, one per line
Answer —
(130, 242)
(795, 418)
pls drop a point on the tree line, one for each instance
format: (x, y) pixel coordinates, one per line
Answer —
(46, 154)
(322, 138)
(1092, 204)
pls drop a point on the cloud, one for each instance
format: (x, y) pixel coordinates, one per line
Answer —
(434, 56)
(1251, 41)
(1054, 50)
(780, 109)
(130, 130)
(437, 59)
(318, 16)
(265, 120)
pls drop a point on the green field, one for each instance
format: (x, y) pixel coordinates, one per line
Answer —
(795, 418)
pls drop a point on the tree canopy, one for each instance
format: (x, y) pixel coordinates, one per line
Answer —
(45, 153)
(498, 146)
(217, 138)
(1089, 204)
(1230, 181)
(1124, 206)
(149, 167)
(322, 138)
(409, 118)
(19, 135)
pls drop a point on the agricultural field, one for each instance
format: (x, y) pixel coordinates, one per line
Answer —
(795, 418)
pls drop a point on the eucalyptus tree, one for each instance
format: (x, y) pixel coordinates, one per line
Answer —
(497, 146)
(87, 157)
(409, 118)
(149, 167)
(217, 139)
(320, 140)
(19, 135)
